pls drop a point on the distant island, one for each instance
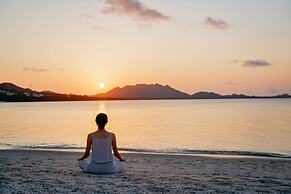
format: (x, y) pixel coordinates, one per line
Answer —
(12, 93)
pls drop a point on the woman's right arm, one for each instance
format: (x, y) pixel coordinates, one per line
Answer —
(115, 150)
(88, 148)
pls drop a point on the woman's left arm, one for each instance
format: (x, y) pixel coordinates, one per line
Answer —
(115, 150)
(88, 148)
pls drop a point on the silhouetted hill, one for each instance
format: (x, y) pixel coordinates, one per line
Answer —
(11, 93)
(144, 91)
(205, 95)
(237, 96)
(282, 96)
(9, 87)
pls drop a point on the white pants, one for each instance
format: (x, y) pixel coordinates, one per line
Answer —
(102, 168)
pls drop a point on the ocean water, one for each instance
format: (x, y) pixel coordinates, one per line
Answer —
(259, 127)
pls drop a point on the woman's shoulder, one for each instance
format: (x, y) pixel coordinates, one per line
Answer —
(90, 135)
(110, 133)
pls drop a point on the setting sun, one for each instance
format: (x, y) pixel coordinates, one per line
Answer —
(101, 85)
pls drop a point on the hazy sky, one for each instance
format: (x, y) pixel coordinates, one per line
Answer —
(70, 46)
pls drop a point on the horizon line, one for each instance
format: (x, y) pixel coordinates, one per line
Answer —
(90, 95)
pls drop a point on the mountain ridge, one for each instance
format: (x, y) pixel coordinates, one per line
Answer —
(144, 91)
(10, 92)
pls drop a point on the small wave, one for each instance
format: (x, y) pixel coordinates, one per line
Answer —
(43, 146)
(211, 152)
(166, 151)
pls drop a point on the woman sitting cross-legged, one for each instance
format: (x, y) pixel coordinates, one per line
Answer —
(102, 143)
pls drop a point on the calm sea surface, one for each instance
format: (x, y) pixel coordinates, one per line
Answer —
(185, 126)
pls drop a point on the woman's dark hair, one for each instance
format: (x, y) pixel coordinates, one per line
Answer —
(101, 120)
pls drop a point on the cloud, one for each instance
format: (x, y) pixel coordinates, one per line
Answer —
(134, 8)
(34, 69)
(234, 61)
(215, 23)
(256, 63)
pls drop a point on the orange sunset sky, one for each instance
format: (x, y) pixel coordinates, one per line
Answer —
(72, 46)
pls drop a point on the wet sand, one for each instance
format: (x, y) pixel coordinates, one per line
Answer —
(24, 171)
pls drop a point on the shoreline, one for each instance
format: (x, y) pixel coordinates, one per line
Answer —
(58, 172)
(174, 152)
(149, 99)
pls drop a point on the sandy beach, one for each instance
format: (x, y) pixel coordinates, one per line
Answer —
(24, 171)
